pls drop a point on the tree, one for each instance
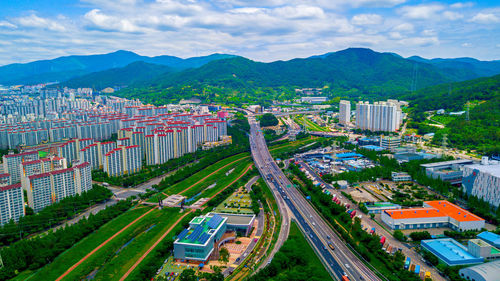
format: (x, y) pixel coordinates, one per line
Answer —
(398, 234)
(188, 275)
(268, 119)
(224, 255)
(420, 235)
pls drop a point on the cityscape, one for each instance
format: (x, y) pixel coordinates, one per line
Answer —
(256, 160)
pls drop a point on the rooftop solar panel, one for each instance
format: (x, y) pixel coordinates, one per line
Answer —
(196, 233)
(214, 221)
(203, 238)
(183, 234)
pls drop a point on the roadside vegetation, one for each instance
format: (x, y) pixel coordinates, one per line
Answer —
(295, 260)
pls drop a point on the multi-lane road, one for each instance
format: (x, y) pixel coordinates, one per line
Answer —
(338, 262)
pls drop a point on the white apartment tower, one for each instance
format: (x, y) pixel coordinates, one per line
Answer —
(380, 116)
(344, 112)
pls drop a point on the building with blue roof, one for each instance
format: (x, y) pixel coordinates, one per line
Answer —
(197, 241)
(450, 252)
(490, 238)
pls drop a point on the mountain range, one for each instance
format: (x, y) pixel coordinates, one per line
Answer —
(355, 69)
(64, 68)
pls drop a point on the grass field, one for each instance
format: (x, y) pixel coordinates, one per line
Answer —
(238, 198)
(116, 267)
(64, 261)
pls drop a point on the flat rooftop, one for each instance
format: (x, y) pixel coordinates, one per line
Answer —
(236, 219)
(201, 229)
(493, 169)
(450, 251)
(415, 213)
(444, 163)
(381, 204)
(453, 210)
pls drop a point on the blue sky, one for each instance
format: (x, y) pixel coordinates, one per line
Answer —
(263, 30)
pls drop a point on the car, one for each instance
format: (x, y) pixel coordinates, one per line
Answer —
(328, 237)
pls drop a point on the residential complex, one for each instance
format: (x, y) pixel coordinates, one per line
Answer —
(123, 160)
(380, 116)
(46, 188)
(344, 112)
(12, 163)
(433, 214)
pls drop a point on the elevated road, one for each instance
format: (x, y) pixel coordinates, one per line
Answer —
(292, 204)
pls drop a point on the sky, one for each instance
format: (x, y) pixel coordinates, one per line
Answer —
(262, 30)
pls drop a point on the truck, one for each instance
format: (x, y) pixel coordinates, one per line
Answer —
(349, 211)
(330, 244)
(372, 231)
(347, 206)
(417, 269)
(382, 240)
(345, 278)
(427, 274)
(407, 263)
(353, 214)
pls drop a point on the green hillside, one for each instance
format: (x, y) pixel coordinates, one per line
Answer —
(351, 71)
(123, 76)
(481, 132)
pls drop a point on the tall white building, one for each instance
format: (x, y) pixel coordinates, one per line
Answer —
(483, 181)
(380, 116)
(123, 160)
(11, 203)
(344, 112)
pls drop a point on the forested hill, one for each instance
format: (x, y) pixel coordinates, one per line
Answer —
(453, 96)
(123, 76)
(362, 69)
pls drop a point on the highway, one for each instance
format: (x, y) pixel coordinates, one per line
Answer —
(291, 203)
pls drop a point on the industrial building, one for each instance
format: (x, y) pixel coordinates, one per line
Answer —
(490, 238)
(450, 252)
(433, 214)
(450, 171)
(237, 222)
(483, 181)
(396, 177)
(313, 99)
(484, 272)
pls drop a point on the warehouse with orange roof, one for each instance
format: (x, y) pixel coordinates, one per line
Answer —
(433, 214)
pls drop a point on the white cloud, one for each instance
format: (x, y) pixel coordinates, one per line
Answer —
(7, 24)
(484, 18)
(34, 21)
(423, 12)
(452, 15)
(466, 45)
(461, 5)
(429, 32)
(366, 19)
(419, 41)
(405, 27)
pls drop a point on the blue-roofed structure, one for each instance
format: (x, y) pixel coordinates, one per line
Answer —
(450, 252)
(348, 155)
(373, 147)
(490, 238)
(197, 242)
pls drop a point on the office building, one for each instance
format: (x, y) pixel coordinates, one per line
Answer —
(11, 203)
(390, 142)
(197, 243)
(344, 112)
(397, 177)
(433, 214)
(483, 181)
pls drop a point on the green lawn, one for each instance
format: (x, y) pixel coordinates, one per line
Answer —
(118, 265)
(312, 125)
(237, 198)
(64, 261)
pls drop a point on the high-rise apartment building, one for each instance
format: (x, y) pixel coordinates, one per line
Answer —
(12, 163)
(344, 112)
(46, 188)
(11, 203)
(123, 160)
(380, 116)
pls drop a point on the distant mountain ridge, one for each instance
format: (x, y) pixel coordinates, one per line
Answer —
(65, 68)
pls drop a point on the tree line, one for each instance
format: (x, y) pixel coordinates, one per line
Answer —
(38, 251)
(52, 215)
